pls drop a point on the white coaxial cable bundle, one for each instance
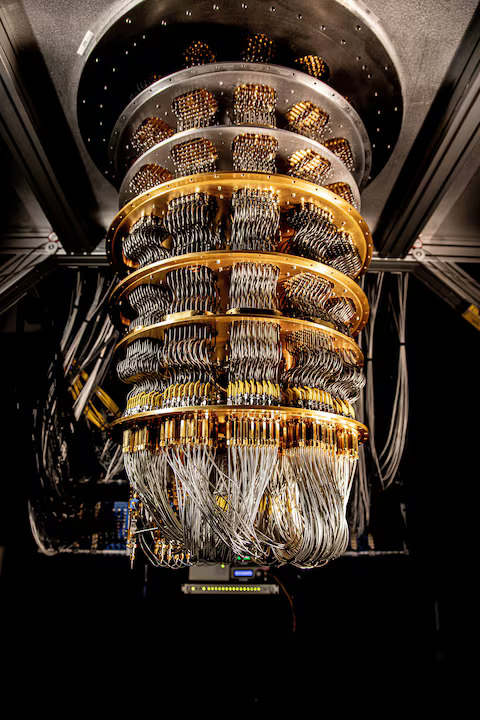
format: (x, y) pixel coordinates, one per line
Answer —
(387, 462)
(391, 455)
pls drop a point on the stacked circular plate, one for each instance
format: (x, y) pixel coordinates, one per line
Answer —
(239, 246)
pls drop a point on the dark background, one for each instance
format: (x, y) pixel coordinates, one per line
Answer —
(369, 630)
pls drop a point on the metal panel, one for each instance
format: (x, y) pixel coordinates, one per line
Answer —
(449, 135)
(24, 135)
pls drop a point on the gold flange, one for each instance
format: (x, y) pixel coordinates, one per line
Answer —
(289, 266)
(252, 312)
(185, 315)
(223, 412)
(291, 191)
(223, 323)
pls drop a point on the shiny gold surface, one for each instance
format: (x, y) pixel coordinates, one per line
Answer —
(223, 412)
(223, 323)
(289, 266)
(291, 192)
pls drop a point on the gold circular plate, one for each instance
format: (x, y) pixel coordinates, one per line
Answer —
(289, 266)
(223, 323)
(291, 192)
(222, 412)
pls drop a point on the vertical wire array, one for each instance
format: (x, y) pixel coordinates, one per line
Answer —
(254, 220)
(195, 109)
(254, 364)
(392, 453)
(309, 165)
(144, 243)
(315, 232)
(387, 462)
(194, 156)
(191, 221)
(254, 152)
(308, 119)
(253, 286)
(192, 288)
(254, 105)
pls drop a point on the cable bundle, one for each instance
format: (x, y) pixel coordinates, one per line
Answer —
(340, 311)
(264, 494)
(73, 403)
(316, 365)
(317, 237)
(351, 380)
(307, 294)
(195, 109)
(191, 221)
(307, 119)
(142, 368)
(254, 105)
(314, 230)
(316, 530)
(253, 287)
(194, 156)
(149, 133)
(141, 361)
(192, 288)
(309, 165)
(254, 153)
(343, 255)
(150, 302)
(144, 243)
(164, 520)
(254, 219)
(254, 365)
(149, 176)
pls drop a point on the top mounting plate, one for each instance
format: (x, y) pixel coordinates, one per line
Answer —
(146, 42)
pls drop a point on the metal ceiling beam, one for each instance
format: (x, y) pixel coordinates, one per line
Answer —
(453, 249)
(448, 135)
(34, 128)
(98, 258)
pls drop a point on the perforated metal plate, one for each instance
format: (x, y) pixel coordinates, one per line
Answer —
(148, 40)
(291, 86)
(222, 138)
